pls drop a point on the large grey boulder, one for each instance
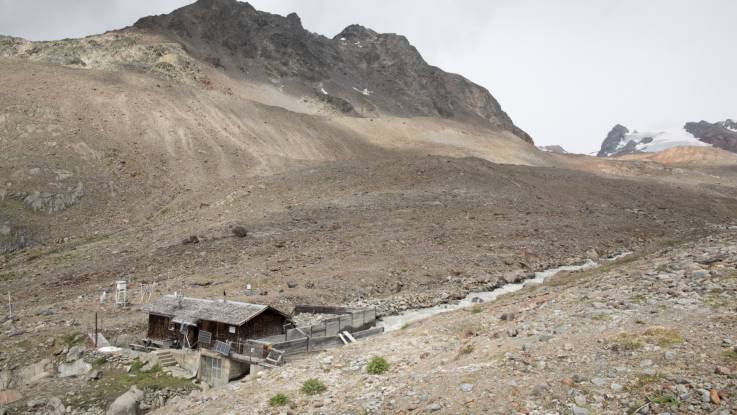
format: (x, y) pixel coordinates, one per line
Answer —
(54, 406)
(75, 353)
(76, 368)
(127, 403)
(33, 373)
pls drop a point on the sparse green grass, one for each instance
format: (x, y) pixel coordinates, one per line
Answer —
(99, 361)
(638, 298)
(7, 276)
(641, 382)
(662, 336)
(115, 382)
(476, 309)
(601, 317)
(715, 300)
(377, 365)
(313, 387)
(70, 339)
(465, 350)
(664, 400)
(658, 335)
(731, 354)
(279, 399)
(404, 326)
(626, 342)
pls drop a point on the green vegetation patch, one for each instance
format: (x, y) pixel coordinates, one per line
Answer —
(662, 336)
(626, 342)
(279, 399)
(313, 387)
(377, 365)
(115, 382)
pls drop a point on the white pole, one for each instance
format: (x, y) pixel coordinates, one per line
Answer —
(10, 306)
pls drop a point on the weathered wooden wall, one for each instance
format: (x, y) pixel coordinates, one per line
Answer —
(158, 328)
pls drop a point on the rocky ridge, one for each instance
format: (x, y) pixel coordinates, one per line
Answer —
(359, 72)
(722, 134)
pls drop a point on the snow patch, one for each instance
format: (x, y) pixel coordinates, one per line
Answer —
(654, 141)
(109, 349)
(663, 140)
(363, 91)
(324, 92)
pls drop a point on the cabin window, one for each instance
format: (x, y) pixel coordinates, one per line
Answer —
(171, 326)
(231, 329)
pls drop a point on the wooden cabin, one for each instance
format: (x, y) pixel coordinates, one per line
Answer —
(183, 321)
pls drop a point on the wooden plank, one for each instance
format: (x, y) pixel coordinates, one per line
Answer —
(348, 335)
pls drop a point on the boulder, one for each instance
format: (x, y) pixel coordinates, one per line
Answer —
(127, 403)
(75, 353)
(77, 368)
(33, 373)
(54, 406)
(9, 396)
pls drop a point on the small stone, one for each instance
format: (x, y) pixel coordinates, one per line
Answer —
(507, 317)
(646, 363)
(577, 410)
(434, 407)
(512, 332)
(705, 396)
(714, 397)
(721, 370)
(598, 381)
(466, 387)
(580, 400)
(616, 387)
(682, 391)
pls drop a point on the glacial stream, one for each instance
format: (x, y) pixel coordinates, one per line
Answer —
(396, 321)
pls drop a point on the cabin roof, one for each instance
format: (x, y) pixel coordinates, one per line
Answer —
(193, 310)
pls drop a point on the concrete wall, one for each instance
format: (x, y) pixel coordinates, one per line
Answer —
(188, 360)
(230, 369)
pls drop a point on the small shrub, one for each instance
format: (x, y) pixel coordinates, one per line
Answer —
(476, 309)
(641, 382)
(377, 365)
(136, 366)
(99, 361)
(466, 349)
(626, 342)
(240, 231)
(279, 399)
(404, 326)
(313, 387)
(665, 400)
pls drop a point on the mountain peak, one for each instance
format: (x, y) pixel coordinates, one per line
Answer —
(356, 32)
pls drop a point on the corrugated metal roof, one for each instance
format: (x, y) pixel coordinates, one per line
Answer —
(234, 313)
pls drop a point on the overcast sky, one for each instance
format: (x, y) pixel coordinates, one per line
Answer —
(566, 71)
